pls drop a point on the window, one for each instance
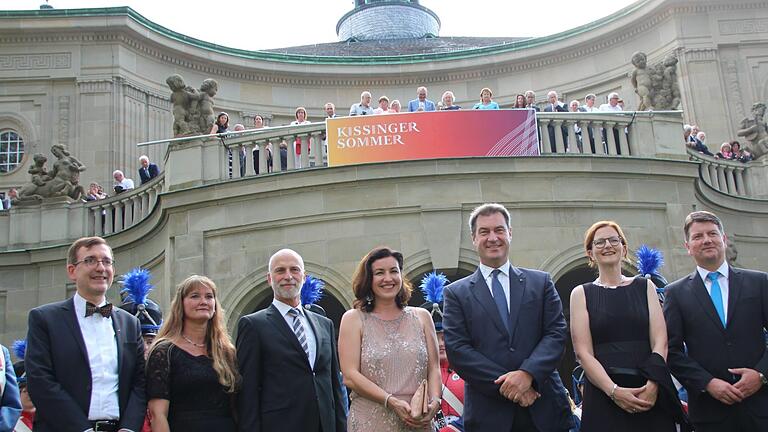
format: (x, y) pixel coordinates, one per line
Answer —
(11, 150)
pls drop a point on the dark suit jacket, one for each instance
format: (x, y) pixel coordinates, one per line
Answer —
(712, 349)
(280, 392)
(558, 108)
(153, 172)
(59, 377)
(481, 348)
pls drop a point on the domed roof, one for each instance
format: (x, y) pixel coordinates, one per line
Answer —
(387, 19)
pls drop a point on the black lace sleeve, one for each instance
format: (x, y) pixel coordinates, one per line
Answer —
(159, 372)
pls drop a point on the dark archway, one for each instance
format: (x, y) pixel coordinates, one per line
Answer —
(417, 297)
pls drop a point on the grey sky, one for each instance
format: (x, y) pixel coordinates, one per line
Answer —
(252, 25)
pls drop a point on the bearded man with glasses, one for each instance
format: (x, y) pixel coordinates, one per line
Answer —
(85, 359)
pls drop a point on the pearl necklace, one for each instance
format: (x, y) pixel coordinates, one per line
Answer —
(623, 279)
(202, 345)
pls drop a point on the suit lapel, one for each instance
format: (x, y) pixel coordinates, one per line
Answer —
(734, 292)
(516, 292)
(700, 292)
(320, 334)
(482, 294)
(274, 316)
(70, 321)
(120, 340)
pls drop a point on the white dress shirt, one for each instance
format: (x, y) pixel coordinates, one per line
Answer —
(101, 344)
(311, 341)
(722, 279)
(503, 278)
(608, 107)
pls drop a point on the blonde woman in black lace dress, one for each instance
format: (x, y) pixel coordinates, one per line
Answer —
(191, 370)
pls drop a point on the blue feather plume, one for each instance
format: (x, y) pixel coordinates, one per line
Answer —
(136, 285)
(312, 290)
(19, 348)
(432, 285)
(649, 260)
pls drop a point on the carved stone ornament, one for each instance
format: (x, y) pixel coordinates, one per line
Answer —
(62, 181)
(656, 86)
(755, 131)
(192, 108)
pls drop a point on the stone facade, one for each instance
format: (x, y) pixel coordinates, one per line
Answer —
(98, 86)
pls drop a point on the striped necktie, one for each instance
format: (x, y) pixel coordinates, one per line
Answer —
(298, 328)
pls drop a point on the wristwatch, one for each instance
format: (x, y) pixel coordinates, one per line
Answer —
(763, 379)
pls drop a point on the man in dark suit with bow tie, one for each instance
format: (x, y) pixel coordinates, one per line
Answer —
(716, 317)
(85, 359)
(505, 334)
(288, 360)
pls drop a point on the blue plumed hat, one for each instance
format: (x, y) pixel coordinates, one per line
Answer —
(649, 262)
(432, 285)
(136, 288)
(311, 293)
(19, 349)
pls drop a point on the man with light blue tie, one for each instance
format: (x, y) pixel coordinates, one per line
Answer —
(505, 334)
(715, 320)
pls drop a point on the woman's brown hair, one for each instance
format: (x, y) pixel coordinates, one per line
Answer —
(362, 284)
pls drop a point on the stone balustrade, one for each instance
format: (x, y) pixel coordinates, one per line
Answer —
(726, 176)
(122, 211)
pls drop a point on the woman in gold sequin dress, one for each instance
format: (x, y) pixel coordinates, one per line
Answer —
(386, 349)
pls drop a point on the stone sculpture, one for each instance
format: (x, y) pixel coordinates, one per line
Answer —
(62, 181)
(192, 108)
(655, 86)
(755, 131)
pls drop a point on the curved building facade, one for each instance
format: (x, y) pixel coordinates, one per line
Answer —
(95, 80)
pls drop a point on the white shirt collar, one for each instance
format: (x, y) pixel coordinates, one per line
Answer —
(723, 270)
(284, 308)
(486, 271)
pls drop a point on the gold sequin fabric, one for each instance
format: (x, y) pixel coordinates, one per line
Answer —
(394, 357)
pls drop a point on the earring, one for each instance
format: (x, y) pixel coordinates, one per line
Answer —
(368, 300)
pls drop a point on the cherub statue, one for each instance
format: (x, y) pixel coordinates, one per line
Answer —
(184, 99)
(641, 80)
(208, 90)
(31, 191)
(754, 130)
(670, 81)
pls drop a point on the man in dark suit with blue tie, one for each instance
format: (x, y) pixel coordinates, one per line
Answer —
(288, 360)
(716, 318)
(505, 334)
(85, 359)
(148, 170)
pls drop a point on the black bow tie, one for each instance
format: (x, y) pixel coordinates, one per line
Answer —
(105, 311)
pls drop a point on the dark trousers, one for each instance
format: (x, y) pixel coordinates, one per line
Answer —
(523, 421)
(739, 419)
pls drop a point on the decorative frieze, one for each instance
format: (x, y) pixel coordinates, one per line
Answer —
(95, 86)
(701, 54)
(734, 88)
(744, 26)
(35, 61)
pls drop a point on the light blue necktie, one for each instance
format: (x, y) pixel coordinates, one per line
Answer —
(716, 295)
(499, 298)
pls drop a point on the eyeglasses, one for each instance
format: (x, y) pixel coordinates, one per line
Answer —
(92, 262)
(600, 243)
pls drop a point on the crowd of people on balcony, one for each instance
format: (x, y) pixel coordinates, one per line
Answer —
(696, 140)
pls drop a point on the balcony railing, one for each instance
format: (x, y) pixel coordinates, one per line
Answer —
(726, 176)
(122, 211)
(625, 134)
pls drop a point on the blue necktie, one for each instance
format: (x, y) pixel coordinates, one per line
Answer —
(716, 295)
(499, 298)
